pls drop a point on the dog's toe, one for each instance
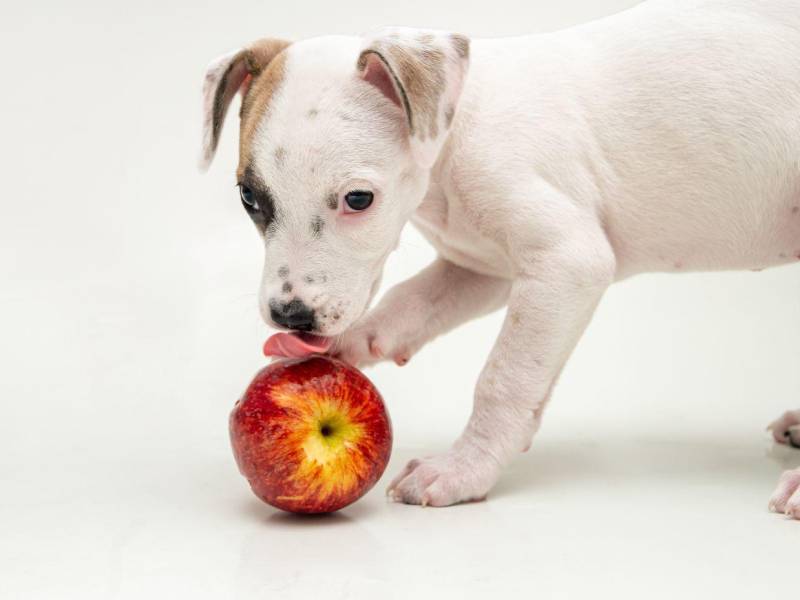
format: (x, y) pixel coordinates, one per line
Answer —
(441, 481)
(412, 489)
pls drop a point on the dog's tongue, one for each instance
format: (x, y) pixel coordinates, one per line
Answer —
(296, 344)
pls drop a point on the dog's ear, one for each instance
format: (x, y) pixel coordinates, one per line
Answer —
(422, 72)
(225, 76)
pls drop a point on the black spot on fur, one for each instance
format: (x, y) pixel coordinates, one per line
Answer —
(312, 113)
(332, 201)
(287, 287)
(283, 272)
(317, 225)
(461, 44)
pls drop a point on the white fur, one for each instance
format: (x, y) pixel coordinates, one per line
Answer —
(665, 138)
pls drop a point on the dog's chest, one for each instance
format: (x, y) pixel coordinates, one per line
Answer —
(449, 229)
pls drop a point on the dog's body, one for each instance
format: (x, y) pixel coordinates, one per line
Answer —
(675, 132)
(542, 168)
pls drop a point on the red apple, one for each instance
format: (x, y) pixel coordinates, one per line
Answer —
(311, 435)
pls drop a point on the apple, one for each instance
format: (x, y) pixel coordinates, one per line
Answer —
(311, 434)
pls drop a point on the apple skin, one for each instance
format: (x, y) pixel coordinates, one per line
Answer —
(311, 435)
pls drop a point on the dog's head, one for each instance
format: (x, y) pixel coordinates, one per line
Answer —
(337, 138)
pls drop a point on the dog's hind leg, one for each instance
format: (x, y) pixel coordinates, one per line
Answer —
(786, 497)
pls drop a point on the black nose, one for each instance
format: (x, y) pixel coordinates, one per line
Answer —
(294, 315)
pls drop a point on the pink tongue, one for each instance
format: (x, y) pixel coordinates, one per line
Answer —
(296, 345)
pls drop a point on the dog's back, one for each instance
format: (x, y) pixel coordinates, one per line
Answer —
(681, 120)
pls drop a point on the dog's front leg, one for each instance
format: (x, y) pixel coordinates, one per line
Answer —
(436, 300)
(549, 307)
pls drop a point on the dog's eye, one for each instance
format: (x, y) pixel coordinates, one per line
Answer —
(358, 200)
(248, 198)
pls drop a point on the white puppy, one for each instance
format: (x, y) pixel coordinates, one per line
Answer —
(542, 168)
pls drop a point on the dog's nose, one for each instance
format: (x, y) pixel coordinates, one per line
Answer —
(294, 315)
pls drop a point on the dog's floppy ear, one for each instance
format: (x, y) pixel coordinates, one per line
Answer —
(422, 72)
(225, 76)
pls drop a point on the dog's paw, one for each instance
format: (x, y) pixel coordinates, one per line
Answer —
(446, 479)
(380, 337)
(786, 429)
(786, 498)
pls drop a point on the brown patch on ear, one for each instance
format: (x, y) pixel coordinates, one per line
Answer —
(260, 53)
(220, 87)
(423, 72)
(419, 77)
(461, 44)
(267, 57)
(422, 75)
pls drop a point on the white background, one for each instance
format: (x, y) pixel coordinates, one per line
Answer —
(129, 327)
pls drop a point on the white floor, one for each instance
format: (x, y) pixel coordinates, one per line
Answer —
(585, 515)
(128, 327)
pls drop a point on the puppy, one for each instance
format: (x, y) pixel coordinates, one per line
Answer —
(542, 169)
